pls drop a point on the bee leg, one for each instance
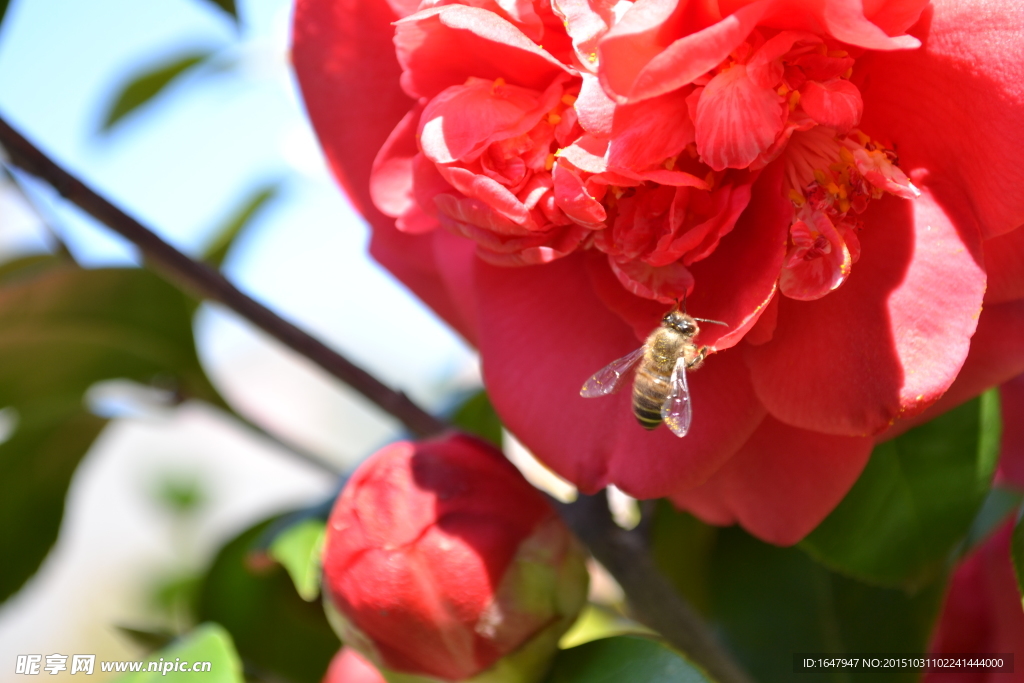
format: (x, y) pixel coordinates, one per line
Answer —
(702, 353)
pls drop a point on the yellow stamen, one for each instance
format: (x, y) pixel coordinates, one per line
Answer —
(554, 119)
(549, 162)
(499, 82)
(568, 100)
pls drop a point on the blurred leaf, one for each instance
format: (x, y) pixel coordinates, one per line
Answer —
(624, 658)
(149, 640)
(206, 643)
(1017, 551)
(143, 87)
(225, 235)
(182, 494)
(998, 505)
(596, 622)
(298, 548)
(273, 628)
(36, 465)
(3, 10)
(681, 545)
(226, 5)
(62, 329)
(916, 499)
(476, 416)
(770, 602)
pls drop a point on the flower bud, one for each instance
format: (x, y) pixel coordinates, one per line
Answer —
(440, 560)
(348, 666)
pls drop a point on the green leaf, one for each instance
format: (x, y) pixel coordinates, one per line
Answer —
(915, 501)
(226, 234)
(1017, 550)
(770, 602)
(144, 86)
(476, 416)
(228, 6)
(624, 658)
(274, 629)
(62, 329)
(298, 549)
(36, 465)
(206, 643)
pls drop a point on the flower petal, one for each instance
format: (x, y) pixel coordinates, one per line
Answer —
(648, 133)
(639, 58)
(890, 341)
(544, 332)
(996, 356)
(1011, 457)
(955, 107)
(444, 46)
(835, 103)
(846, 21)
(736, 120)
(781, 483)
(1004, 262)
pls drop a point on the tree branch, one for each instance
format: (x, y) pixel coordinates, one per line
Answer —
(652, 598)
(207, 283)
(624, 554)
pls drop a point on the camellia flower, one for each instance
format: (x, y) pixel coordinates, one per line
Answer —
(441, 561)
(982, 612)
(834, 181)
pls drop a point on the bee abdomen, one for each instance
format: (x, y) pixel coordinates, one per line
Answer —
(649, 394)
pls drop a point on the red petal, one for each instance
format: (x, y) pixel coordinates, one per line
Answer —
(444, 46)
(892, 339)
(736, 120)
(846, 21)
(345, 62)
(650, 132)
(1011, 458)
(982, 611)
(996, 356)
(954, 108)
(1004, 262)
(639, 58)
(834, 103)
(544, 332)
(781, 483)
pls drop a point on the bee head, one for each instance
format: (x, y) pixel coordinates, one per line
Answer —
(681, 322)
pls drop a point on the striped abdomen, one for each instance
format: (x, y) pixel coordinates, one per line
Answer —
(650, 389)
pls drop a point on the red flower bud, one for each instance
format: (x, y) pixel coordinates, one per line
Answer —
(441, 560)
(348, 666)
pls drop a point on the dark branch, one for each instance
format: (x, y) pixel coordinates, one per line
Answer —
(207, 283)
(624, 554)
(652, 599)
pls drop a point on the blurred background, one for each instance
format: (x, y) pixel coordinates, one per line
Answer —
(185, 114)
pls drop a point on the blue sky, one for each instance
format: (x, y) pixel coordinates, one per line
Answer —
(182, 165)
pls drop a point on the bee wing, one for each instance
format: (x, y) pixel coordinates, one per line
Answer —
(677, 411)
(610, 378)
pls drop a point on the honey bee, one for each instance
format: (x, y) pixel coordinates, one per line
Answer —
(660, 391)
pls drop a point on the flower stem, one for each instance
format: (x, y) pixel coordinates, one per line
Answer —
(654, 601)
(623, 553)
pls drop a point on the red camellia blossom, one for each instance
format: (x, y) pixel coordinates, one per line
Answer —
(441, 560)
(835, 181)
